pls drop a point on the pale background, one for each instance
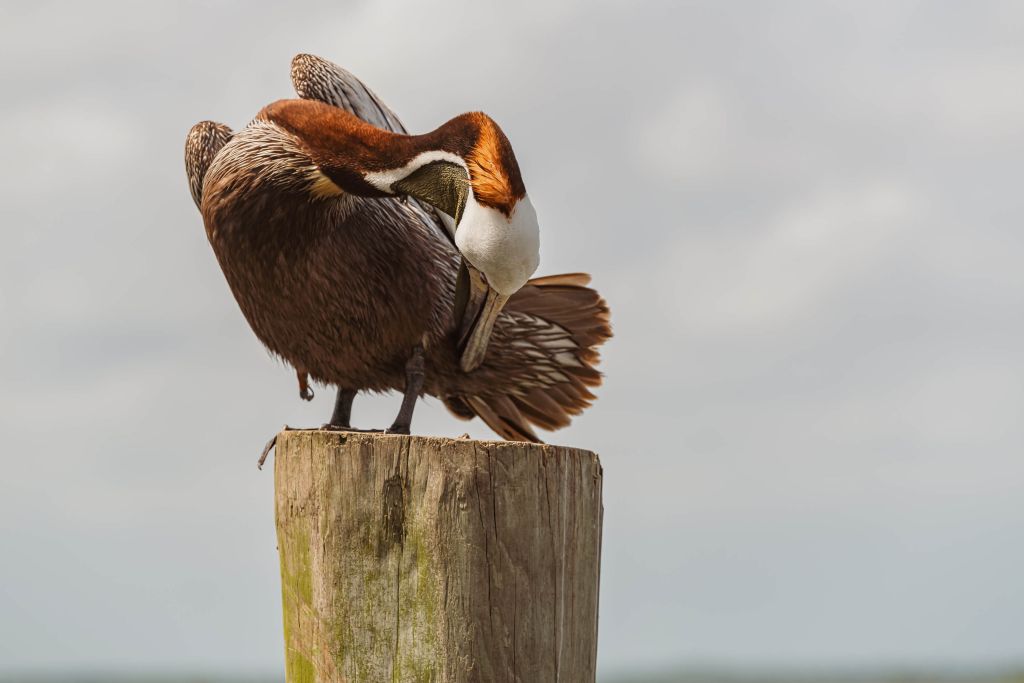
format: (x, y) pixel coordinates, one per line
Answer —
(806, 217)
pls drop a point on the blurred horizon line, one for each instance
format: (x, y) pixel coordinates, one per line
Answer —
(1008, 672)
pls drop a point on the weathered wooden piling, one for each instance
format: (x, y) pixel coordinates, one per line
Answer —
(444, 560)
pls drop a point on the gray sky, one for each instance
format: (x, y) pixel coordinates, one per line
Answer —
(805, 215)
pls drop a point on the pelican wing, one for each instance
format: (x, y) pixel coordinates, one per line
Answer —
(201, 146)
(315, 78)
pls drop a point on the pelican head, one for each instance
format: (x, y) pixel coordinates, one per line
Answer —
(465, 168)
(480, 191)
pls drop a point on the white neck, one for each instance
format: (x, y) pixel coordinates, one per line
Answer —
(504, 248)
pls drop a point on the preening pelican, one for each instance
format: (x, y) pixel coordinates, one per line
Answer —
(371, 259)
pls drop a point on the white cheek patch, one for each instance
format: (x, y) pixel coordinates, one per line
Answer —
(383, 180)
(505, 249)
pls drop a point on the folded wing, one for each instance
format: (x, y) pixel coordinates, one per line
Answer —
(204, 140)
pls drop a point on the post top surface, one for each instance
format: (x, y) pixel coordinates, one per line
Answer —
(327, 437)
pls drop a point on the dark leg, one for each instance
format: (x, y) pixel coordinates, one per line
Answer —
(342, 416)
(413, 386)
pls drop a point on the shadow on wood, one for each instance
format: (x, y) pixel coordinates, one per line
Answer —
(443, 560)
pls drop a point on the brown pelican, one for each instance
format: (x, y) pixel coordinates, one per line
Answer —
(371, 259)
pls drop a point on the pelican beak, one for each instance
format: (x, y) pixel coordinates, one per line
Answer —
(481, 310)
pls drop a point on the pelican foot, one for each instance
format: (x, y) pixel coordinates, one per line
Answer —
(345, 428)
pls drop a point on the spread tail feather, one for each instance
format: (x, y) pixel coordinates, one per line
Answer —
(543, 351)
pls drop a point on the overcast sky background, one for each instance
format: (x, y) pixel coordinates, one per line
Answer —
(807, 218)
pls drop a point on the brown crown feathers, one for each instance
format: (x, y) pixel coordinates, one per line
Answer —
(345, 148)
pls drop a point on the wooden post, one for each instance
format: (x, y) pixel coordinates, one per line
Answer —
(437, 560)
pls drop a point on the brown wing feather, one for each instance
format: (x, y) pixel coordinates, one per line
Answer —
(204, 140)
(503, 417)
(542, 354)
(315, 78)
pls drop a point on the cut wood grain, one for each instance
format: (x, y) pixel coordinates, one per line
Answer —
(427, 559)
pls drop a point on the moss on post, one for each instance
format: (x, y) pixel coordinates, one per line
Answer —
(415, 559)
